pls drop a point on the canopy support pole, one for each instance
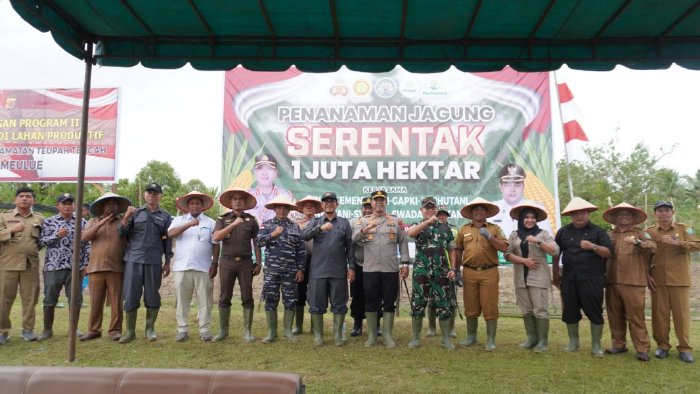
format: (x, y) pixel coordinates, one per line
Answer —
(76, 282)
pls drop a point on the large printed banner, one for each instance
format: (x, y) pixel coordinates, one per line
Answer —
(40, 135)
(450, 135)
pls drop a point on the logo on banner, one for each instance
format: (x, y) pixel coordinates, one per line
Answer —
(362, 87)
(339, 89)
(10, 103)
(385, 88)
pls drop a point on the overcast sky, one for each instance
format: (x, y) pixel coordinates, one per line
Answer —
(176, 115)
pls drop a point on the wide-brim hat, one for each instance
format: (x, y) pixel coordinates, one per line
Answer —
(182, 202)
(315, 200)
(281, 200)
(578, 204)
(540, 214)
(97, 207)
(639, 215)
(225, 198)
(491, 208)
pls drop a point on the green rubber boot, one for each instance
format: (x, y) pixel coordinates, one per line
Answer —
(388, 329)
(130, 333)
(151, 316)
(338, 320)
(417, 325)
(248, 325)
(531, 331)
(317, 326)
(432, 314)
(542, 335)
(48, 323)
(298, 321)
(491, 326)
(453, 333)
(472, 325)
(445, 329)
(287, 320)
(371, 329)
(224, 318)
(271, 326)
(596, 334)
(572, 329)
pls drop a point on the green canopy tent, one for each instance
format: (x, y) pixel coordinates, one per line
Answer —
(365, 35)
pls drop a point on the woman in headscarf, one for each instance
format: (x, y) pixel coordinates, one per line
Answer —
(527, 249)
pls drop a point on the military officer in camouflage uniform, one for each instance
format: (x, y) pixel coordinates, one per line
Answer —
(431, 271)
(382, 237)
(285, 260)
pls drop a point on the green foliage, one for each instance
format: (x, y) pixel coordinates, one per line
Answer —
(608, 177)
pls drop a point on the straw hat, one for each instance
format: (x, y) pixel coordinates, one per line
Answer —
(578, 204)
(540, 214)
(182, 202)
(638, 214)
(97, 207)
(317, 203)
(491, 208)
(225, 198)
(281, 200)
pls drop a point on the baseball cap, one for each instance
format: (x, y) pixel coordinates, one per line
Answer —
(442, 208)
(366, 200)
(329, 196)
(154, 187)
(428, 200)
(65, 197)
(660, 204)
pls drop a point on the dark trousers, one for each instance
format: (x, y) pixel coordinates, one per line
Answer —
(357, 292)
(229, 271)
(141, 279)
(381, 289)
(323, 289)
(586, 294)
(304, 285)
(54, 281)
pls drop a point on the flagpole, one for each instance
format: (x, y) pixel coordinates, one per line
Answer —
(566, 150)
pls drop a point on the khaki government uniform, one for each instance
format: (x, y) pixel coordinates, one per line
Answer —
(626, 281)
(479, 270)
(19, 266)
(670, 269)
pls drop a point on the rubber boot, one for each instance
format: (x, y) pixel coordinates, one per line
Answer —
(317, 326)
(491, 326)
(542, 335)
(388, 330)
(248, 325)
(572, 329)
(472, 325)
(432, 313)
(417, 324)
(48, 323)
(445, 329)
(287, 321)
(371, 329)
(151, 316)
(271, 326)
(298, 321)
(224, 320)
(130, 320)
(596, 334)
(338, 320)
(453, 333)
(531, 331)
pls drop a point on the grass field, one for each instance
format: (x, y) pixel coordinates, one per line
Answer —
(352, 368)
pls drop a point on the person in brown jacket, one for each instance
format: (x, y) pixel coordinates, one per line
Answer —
(106, 266)
(670, 281)
(626, 279)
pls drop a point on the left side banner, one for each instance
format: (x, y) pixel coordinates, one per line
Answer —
(40, 135)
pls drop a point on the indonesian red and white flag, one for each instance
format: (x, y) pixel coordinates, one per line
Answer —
(570, 115)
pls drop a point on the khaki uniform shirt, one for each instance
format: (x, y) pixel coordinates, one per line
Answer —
(671, 263)
(23, 246)
(238, 242)
(380, 244)
(628, 264)
(541, 277)
(107, 248)
(477, 250)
